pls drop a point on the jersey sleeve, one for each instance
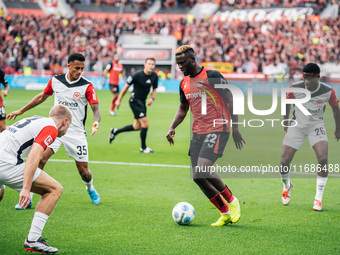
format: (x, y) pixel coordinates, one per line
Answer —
(215, 77)
(91, 95)
(3, 78)
(182, 97)
(333, 100)
(49, 90)
(46, 136)
(108, 67)
(290, 95)
(130, 79)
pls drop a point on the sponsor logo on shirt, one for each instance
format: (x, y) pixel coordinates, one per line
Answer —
(49, 140)
(76, 95)
(68, 104)
(148, 81)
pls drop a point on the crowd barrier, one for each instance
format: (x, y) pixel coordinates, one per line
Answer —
(167, 85)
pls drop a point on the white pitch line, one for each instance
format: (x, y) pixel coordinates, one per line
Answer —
(122, 163)
(164, 165)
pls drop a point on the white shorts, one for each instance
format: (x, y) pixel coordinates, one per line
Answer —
(296, 136)
(75, 146)
(13, 176)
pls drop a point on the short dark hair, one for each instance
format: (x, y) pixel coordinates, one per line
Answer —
(184, 49)
(76, 56)
(152, 59)
(311, 68)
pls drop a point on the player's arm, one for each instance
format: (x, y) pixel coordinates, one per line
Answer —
(5, 83)
(96, 118)
(38, 99)
(31, 166)
(107, 69)
(179, 117)
(238, 139)
(286, 118)
(153, 96)
(121, 94)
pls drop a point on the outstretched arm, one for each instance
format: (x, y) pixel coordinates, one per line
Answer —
(179, 117)
(286, 118)
(336, 115)
(38, 99)
(96, 118)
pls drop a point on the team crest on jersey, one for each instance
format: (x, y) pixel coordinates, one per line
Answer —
(49, 140)
(319, 102)
(76, 95)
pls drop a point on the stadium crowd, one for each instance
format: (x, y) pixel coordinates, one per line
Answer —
(43, 43)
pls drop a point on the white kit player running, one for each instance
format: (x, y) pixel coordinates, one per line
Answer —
(311, 126)
(30, 137)
(75, 92)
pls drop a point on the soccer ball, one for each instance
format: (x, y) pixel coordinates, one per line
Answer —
(183, 213)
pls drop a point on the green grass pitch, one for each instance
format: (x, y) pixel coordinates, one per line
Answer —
(135, 214)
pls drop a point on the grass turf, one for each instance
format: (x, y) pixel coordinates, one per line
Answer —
(135, 214)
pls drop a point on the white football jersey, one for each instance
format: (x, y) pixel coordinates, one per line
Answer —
(75, 96)
(316, 105)
(17, 140)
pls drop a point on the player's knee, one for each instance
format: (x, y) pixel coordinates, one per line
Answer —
(322, 160)
(59, 190)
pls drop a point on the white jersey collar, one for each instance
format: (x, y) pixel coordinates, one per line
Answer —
(71, 82)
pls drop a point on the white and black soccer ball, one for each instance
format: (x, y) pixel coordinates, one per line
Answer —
(183, 213)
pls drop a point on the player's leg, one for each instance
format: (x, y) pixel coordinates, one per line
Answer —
(201, 176)
(287, 154)
(321, 152)
(50, 191)
(115, 91)
(87, 179)
(144, 122)
(135, 126)
(2, 192)
(292, 142)
(43, 160)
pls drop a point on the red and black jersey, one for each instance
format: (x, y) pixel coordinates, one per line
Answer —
(209, 110)
(4, 82)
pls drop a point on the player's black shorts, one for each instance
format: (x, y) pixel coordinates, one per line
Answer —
(138, 107)
(209, 146)
(114, 88)
(2, 113)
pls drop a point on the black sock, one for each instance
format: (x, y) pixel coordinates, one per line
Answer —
(143, 132)
(125, 129)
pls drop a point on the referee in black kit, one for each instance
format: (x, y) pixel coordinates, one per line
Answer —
(142, 80)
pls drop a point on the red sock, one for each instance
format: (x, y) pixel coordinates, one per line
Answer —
(226, 193)
(113, 104)
(219, 203)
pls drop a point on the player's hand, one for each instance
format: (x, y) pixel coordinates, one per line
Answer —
(337, 135)
(238, 139)
(170, 135)
(25, 198)
(95, 127)
(13, 115)
(118, 102)
(4, 93)
(285, 129)
(149, 102)
(103, 83)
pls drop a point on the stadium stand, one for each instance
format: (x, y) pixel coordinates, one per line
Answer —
(44, 42)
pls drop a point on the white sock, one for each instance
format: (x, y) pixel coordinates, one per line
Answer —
(37, 226)
(286, 180)
(89, 185)
(31, 193)
(320, 187)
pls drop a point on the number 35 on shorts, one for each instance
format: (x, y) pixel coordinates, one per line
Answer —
(82, 150)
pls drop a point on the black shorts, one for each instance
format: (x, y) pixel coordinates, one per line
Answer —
(2, 113)
(114, 88)
(209, 146)
(138, 107)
